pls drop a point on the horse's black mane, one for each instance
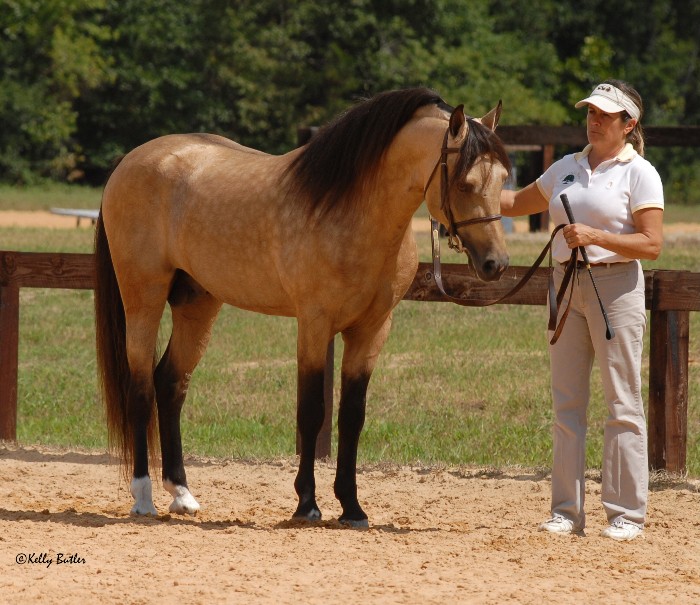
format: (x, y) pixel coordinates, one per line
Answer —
(480, 140)
(345, 153)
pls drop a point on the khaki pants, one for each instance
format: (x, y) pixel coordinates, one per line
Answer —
(625, 473)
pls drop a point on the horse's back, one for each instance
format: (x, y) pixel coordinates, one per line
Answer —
(175, 157)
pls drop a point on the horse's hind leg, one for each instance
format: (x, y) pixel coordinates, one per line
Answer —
(193, 312)
(142, 315)
(362, 346)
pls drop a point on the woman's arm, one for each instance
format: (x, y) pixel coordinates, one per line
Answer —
(644, 243)
(528, 200)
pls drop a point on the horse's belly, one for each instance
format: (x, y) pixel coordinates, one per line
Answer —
(248, 288)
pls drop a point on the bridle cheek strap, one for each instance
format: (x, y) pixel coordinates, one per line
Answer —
(453, 241)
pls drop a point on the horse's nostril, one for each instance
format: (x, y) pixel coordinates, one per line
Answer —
(490, 267)
(493, 269)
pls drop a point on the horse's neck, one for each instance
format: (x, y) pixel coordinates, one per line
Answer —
(410, 163)
(389, 215)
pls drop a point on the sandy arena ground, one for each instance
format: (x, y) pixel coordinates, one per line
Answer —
(435, 536)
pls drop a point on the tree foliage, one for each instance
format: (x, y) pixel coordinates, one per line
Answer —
(84, 81)
(51, 52)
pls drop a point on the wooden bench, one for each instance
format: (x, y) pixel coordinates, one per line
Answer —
(79, 213)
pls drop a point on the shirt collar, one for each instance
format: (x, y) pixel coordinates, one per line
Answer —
(627, 154)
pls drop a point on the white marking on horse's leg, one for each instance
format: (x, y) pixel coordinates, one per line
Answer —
(183, 501)
(143, 494)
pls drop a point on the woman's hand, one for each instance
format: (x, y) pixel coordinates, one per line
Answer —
(528, 200)
(645, 243)
(579, 234)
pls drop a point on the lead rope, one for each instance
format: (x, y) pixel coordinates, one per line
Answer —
(553, 298)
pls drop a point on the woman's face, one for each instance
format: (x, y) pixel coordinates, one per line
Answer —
(606, 129)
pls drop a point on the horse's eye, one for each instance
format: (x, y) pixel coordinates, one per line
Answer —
(466, 187)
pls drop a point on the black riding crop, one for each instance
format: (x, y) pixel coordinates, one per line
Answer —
(609, 332)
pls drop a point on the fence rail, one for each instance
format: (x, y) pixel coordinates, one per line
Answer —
(670, 297)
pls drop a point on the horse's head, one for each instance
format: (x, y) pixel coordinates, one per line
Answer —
(465, 196)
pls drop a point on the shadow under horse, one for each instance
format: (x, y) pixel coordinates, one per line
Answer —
(322, 233)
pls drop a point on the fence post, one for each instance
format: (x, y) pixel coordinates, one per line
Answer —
(9, 344)
(668, 390)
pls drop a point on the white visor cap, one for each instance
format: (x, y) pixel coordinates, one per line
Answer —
(611, 100)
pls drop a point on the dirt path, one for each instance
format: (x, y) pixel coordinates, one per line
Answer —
(40, 218)
(435, 536)
(18, 218)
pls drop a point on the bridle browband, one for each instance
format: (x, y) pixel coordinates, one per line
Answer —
(453, 240)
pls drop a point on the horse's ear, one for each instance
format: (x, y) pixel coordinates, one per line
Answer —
(457, 121)
(492, 117)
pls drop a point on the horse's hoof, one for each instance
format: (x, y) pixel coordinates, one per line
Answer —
(184, 505)
(144, 509)
(313, 516)
(355, 523)
(141, 491)
(184, 502)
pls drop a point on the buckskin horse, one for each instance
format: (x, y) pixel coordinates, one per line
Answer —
(322, 233)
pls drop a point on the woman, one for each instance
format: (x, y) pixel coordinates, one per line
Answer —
(617, 200)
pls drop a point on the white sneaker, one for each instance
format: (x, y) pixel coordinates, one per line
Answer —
(557, 525)
(622, 530)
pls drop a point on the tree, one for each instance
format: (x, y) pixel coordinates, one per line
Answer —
(51, 54)
(85, 81)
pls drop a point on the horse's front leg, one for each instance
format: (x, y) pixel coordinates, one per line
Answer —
(362, 346)
(310, 414)
(351, 419)
(312, 349)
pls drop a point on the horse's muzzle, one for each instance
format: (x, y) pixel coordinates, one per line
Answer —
(492, 268)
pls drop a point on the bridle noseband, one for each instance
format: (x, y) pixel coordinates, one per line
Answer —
(453, 239)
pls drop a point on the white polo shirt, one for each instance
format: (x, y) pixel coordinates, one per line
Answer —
(605, 198)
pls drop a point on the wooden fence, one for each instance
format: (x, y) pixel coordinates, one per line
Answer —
(670, 296)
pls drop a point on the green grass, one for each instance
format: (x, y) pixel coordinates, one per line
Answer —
(35, 239)
(453, 385)
(49, 196)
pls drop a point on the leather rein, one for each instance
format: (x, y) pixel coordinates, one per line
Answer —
(455, 243)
